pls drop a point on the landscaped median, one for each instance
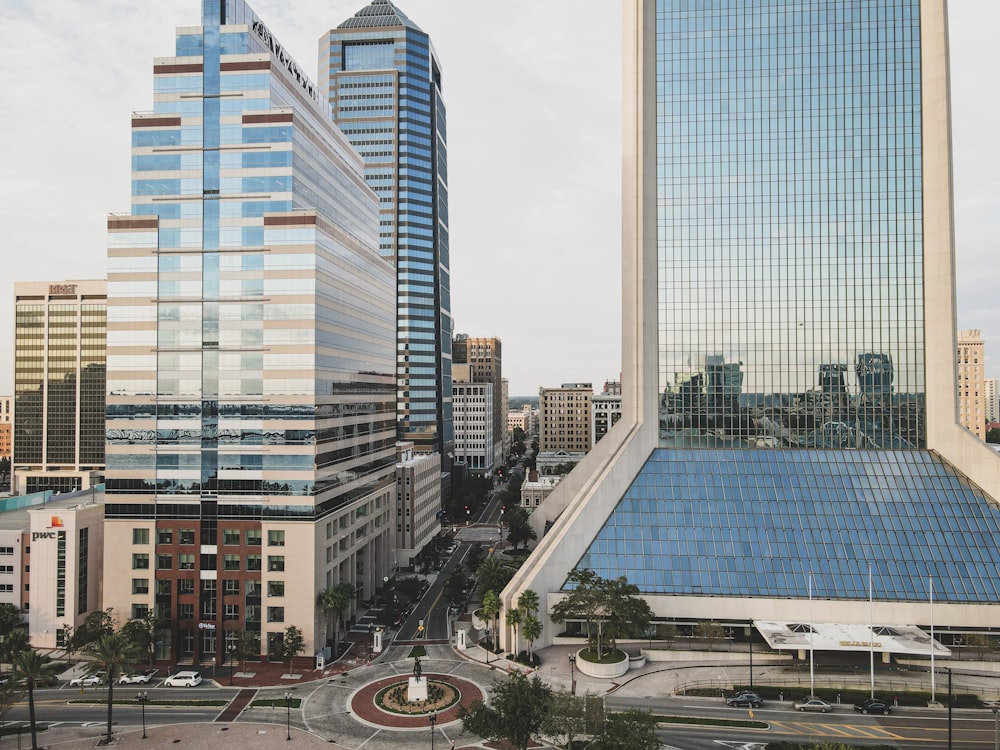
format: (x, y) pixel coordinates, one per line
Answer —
(709, 721)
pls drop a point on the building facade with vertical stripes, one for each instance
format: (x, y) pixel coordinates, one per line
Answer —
(251, 388)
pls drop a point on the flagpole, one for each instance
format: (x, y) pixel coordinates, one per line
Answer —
(812, 679)
(871, 626)
(930, 583)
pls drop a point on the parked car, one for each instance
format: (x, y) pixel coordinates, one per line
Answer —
(137, 678)
(183, 679)
(745, 699)
(90, 680)
(813, 704)
(873, 706)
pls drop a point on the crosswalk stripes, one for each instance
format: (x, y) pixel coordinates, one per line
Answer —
(836, 730)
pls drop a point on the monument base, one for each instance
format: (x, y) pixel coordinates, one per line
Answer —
(418, 690)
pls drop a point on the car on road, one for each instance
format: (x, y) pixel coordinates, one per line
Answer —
(89, 680)
(873, 706)
(183, 679)
(137, 678)
(751, 700)
(813, 704)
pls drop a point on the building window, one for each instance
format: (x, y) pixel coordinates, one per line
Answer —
(230, 562)
(164, 536)
(230, 587)
(140, 536)
(275, 538)
(253, 562)
(253, 537)
(164, 587)
(186, 536)
(140, 585)
(231, 611)
(275, 562)
(275, 614)
(6, 587)
(185, 611)
(164, 562)
(140, 561)
(6, 550)
(185, 562)
(139, 611)
(231, 537)
(185, 586)
(275, 588)
(209, 586)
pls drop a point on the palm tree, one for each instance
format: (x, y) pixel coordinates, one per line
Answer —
(12, 644)
(336, 599)
(491, 610)
(493, 575)
(33, 668)
(113, 655)
(527, 602)
(531, 629)
(513, 620)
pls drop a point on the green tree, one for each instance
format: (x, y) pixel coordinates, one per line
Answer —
(112, 655)
(493, 575)
(979, 641)
(629, 730)
(491, 611)
(993, 436)
(12, 644)
(627, 613)
(293, 643)
(456, 588)
(4, 469)
(475, 557)
(515, 712)
(10, 695)
(336, 600)
(519, 531)
(141, 633)
(528, 602)
(33, 669)
(69, 646)
(710, 631)
(566, 718)
(410, 587)
(95, 624)
(584, 602)
(244, 646)
(531, 629)
(668, 633)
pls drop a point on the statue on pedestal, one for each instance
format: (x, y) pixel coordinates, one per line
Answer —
(417, 670)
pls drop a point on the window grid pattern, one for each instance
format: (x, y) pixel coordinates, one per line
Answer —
(790, 224)
(755, 523)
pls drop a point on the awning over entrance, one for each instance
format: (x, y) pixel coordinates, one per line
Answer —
(835, 636)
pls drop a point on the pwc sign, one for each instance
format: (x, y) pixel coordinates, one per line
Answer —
(55, 522)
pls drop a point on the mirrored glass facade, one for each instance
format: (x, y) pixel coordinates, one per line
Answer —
(789, 224)
(791, 366)
(384, 85)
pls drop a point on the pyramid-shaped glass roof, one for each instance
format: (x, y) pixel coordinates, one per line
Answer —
(379, 14)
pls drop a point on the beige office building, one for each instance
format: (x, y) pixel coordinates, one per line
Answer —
(564, 417)
(973, 399)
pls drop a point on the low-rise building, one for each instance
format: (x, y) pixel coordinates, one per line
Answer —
(418, 501)
(536, 488)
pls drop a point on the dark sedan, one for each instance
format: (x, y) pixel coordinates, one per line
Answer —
(873, 706)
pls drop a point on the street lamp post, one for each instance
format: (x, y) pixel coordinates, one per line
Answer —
(232, 663)
(142, 697)
(750, 638)
(572, 674)
(432, 719)
(996, 729)
(288, 716)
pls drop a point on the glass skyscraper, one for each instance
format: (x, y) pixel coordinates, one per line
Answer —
(789, 333)
(383, 81)
(251, 390)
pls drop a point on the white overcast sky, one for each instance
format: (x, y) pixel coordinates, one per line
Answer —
(534, 108)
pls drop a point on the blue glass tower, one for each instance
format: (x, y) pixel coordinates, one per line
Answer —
(251, 394)
(384, 86)
(789, 328)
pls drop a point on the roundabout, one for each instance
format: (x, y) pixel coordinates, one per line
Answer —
(399, 714)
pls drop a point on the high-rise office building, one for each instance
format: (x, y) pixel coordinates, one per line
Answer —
(973, 411)
(59, 384)
(564, 418)
(383, 81)
(483, 355)
(251, 388)
(789, 331)
(476, 449)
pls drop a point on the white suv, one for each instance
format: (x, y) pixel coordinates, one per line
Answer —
(183, 679)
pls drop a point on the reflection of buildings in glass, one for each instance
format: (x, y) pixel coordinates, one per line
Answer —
(775, 209)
